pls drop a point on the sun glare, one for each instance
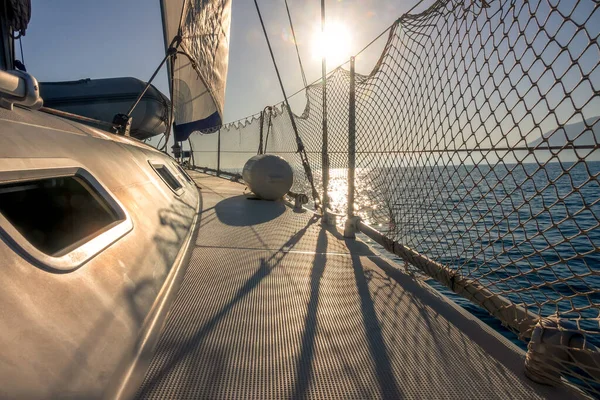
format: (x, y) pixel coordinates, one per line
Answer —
(334, 43)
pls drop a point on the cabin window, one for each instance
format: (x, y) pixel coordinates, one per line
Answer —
(57, 214)
(167, 176)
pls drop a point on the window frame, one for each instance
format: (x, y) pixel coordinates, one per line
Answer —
(80, 252)
(182, 173)
(179, 191)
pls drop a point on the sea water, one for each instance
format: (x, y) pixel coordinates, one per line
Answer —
(527, 232)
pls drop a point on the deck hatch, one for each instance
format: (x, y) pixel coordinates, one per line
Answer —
(168, 177)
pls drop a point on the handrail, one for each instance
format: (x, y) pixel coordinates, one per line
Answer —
(18, 87)
(76, 117)
(12, 84)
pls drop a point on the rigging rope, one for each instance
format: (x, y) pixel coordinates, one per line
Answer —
(21, 46)
(172, 113)
(160, 141)
(237, 121)
(269, 126)
(20, 64)
(301, 150)
(262, 145)
(296, 44)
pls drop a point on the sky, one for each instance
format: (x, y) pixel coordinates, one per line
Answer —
(75, 39)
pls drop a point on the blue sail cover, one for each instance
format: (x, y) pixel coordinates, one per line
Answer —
(199, 75)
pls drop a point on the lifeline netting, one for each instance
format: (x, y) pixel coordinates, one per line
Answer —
(477, 145)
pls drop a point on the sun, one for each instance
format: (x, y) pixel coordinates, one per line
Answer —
(334, 43)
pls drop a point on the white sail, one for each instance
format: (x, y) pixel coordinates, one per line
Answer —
(200, 68)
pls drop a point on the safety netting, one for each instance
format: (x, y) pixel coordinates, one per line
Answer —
(477, 146)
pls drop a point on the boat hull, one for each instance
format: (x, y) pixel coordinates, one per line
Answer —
(83, 332)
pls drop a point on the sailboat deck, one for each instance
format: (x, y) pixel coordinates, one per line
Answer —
(275, 305)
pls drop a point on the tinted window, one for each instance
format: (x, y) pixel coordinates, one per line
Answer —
(167, 176)
(56, 214)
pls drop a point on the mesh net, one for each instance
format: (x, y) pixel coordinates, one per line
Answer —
(477, 138)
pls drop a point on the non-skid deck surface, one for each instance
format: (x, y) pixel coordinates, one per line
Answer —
(273, 305)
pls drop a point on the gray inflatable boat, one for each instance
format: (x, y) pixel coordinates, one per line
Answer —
(102, 99)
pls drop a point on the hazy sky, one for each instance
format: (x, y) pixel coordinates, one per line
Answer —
(75, 39)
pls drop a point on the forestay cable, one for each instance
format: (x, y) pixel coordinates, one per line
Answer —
(296, 44)
(301, 150)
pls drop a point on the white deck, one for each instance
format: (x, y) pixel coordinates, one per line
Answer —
(274, 305)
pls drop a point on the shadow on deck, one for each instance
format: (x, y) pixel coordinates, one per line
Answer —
(275, 305)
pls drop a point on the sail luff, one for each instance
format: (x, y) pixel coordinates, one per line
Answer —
(200, 68)
(167, 36)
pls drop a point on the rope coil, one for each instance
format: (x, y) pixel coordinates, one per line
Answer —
(18, 15)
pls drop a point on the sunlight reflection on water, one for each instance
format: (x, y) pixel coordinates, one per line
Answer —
(526, 232)
(365, 204)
